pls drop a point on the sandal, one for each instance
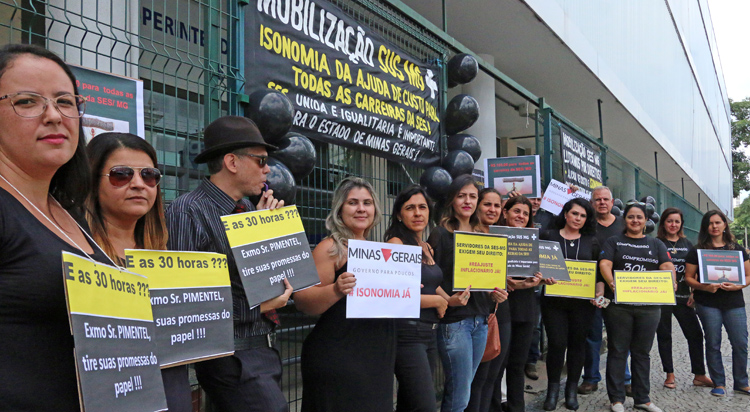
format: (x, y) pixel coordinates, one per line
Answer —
(703, 380)
(669, 382)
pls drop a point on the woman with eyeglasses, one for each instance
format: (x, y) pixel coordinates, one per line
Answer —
(574, 230)
(44, 181)
(670, 232)
(125, 211)
(720, 304)
(631, 327)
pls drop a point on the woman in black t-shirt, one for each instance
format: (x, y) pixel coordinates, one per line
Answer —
(720, 303)
(670, 232)
(631, 327)
(574, 230)
(416, 347)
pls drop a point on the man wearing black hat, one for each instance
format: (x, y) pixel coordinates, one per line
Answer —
(237, 157)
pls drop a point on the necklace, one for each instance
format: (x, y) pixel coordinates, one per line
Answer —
(572, 243)
(674, 245)
(58, 227)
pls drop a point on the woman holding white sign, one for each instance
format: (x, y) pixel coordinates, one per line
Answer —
(462, 333)
(574, 230)
(416, 348)
(631, 327)
(44, 181)
(347, 364)
(670, 232)
(720, 304)
(125, 212)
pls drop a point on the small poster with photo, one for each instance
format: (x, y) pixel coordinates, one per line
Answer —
(514, 174)
(721, 266)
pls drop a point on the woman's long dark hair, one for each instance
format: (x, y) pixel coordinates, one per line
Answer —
(661, 233)
(396, 228)
(151, 229)
(448, 218)
(589, 227)
(70, 185)
(512, 202)
(704, 239)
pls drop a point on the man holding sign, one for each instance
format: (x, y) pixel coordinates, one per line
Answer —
(237, 162)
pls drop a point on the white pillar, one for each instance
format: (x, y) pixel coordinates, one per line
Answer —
(482, 88)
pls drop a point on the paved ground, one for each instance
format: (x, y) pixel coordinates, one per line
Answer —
(685, 398)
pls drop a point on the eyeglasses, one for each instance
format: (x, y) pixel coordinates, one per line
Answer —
(30, 105)
(635, 203)
(121, 175)
(262, 160)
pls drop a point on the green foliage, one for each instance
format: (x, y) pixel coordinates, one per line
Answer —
(740, 141)
(741, 220)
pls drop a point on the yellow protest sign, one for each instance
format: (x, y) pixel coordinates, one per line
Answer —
(168, 269)
(267, 224)
(97, 289)
(481, 260)
(644, 288)
(582, 284)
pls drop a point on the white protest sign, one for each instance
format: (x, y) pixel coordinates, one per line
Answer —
(388, 280)
(557, 195)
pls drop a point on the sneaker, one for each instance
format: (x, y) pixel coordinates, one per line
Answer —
(648, 407)
(587, 388)
(617, 407)
(742, 391)
(719, 391)
(629, 390)
(530, 371)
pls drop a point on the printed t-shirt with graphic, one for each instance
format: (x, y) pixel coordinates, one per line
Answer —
(678, 251)
(633, 255)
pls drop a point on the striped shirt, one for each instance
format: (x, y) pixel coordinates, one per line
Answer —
(194, 224)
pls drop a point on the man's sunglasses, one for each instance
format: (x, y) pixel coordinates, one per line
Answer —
(121, 175)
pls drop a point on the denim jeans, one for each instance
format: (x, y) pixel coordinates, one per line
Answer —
(591, 372)
(630, 328)
(735, 322)
(461, 346)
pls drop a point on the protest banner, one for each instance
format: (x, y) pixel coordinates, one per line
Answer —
(388, 280)
(523, 249)
(348, 85)
(552, 261)
(557, 195)
(480, 261)
(514, 174)
(582, 283)
(581, 163)
(113, 103)
(270, 246)
(721, 266)
(654, 287)
(113, 331)
(191, 299)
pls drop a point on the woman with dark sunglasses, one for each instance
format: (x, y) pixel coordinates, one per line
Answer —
(125, 212)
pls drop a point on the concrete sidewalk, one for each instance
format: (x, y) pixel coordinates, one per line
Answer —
(685, 398)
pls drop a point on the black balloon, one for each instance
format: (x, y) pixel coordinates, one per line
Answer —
(461, 113)
(281, 180)
(462, 68)
(650, 226)
(616, 211)
(458, 162)
(619, 204)
(436, 180)
(272, 112)
(297, 153)
(467, 143)
(650, 209)
(654, 217)
(648, 199)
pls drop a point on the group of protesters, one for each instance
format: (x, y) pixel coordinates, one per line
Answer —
(97, 200)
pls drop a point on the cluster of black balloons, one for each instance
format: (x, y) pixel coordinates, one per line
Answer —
(461, 113)
(653, 217)
(273, 113)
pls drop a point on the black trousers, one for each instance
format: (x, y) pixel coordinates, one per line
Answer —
(691, 328)
(515, 379)
(177, 389)
(486, 386)
(416, 357)
(248, 381)
(564, 319)
(630, 328)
